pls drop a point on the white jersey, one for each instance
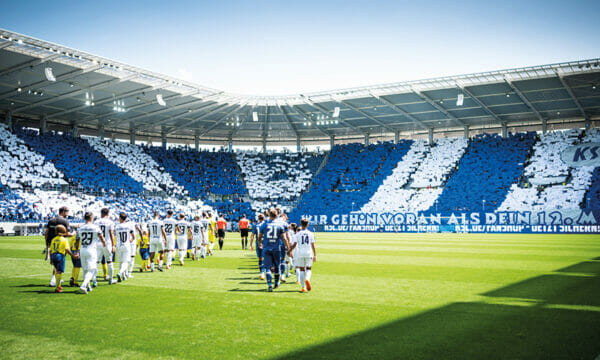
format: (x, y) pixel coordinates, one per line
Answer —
(123, 234)
(88, 236)
(197, 229)
(105, 225)
(182, 225)
(205, 224)
(169, 226)
(155, 230)
(304, 240)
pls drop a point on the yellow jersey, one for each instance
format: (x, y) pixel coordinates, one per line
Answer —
(59, 245)
(211, 233)
(145, 240)
(72, 244)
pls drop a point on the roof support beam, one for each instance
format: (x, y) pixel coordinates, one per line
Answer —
(385, 126)
(62, 77)
(289, 121)
(438, 107)
(6, 44)
(184, 114)
(524, 100)
(326, 132)
(222, 118)
(265, 131)
(202, 117)
(480, 103)
(575, 100)
(325, 112)
(393, 106)
(29, 63)
(76, 92)
(237, 128)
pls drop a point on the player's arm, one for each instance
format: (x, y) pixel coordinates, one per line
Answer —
(111, 233)
(164, 235)
(260, 245)
(101, 236)
(68, 250)
(132, 237)
(251, 241)
(139, 229)
(286, 238)
(314, 249)
(190, 235)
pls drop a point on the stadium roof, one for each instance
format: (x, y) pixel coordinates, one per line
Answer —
(91, 92)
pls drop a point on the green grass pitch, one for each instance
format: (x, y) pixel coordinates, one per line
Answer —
(400, 296)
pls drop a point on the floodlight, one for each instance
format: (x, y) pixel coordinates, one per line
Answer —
(49, 74)
(254, 116)
(160, 101)
(460, 99)
(336, 112)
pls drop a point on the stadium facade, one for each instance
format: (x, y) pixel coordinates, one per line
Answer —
(485, 152)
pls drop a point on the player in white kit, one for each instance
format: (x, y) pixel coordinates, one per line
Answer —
(305, 255)
(184, 232)
(107, 227)
(88, 235)
(158, 240)
(206, 227)
(125, 235)
(197, 236)
(169, 224)
(133, 249)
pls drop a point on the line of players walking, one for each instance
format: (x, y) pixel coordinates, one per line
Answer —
(279, 246)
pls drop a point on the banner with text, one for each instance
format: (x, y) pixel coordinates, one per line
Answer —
(558, 221)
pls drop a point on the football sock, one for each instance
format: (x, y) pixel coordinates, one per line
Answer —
(152, 265)
(220, 244)
(297, 275)
(122, 268)
(160, 262)
(302, 275)
(75, 273)
(53, 280)
(131, 264)
(308, 274)
(58, 277)
(95, 274)
(87, 277)
(105, 269)
(243, 244)
(111, 270)
(276, 278)
(181, 255)
(269, 278)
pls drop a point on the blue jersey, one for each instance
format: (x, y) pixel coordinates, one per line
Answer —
(272, 232)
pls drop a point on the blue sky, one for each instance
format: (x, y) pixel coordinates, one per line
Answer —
(283, 47)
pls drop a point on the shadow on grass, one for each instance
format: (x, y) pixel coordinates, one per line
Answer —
(263, 290)
(481, 330)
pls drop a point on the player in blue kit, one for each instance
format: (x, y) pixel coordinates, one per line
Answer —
(271, 236)
(254, 236)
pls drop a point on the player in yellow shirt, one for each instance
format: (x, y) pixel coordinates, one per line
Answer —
(76, 261)
(59, 247)
(143, 245)
(212, 230)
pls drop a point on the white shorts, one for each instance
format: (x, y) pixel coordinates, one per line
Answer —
(205, 241)
(123, 253)
(170, 244)
(303, 261)
(88, 259)
(103, 251)
(157, 246)
(197, 241)
(133, 249)
(182, 243)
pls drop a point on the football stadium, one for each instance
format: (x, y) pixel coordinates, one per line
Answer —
(440, 201)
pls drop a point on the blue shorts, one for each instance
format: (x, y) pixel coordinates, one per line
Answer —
(58, 261)
(189, 244)
(76, 262)
(272, 259)
(144, 253)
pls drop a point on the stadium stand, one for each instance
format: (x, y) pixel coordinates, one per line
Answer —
(277, 179)
(137, 164)
(350, 178)
(84, 168)
(416, 182)
(550, 184)
(201, 173)
(20, 167)
(490, 165)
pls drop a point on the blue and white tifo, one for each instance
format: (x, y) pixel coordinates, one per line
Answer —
(514, 151)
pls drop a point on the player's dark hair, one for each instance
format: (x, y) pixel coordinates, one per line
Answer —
(261, 217)
(181, 216)
(87, 216)
(197, 217)
(123, 216)
(156, 214)
(104, 212)
(62, 210)
(61, 229)
(170, 212)
(243, 215)
(293, 226)
(304, 223)
(273, 213)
